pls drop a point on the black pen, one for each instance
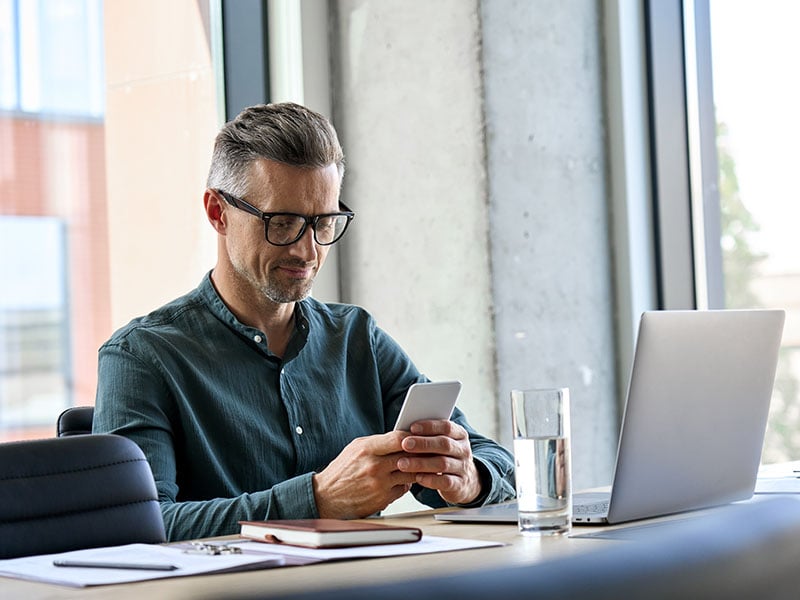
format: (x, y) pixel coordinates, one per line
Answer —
(112, 565)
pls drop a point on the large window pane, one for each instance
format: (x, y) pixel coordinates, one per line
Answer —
(54, 303)
(34, 356)
(95, 126)
(756, 91)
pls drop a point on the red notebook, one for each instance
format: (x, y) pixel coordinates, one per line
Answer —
(327, 533)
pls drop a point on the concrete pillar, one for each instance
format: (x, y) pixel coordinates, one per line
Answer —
(474, 134)
(408, 106)
(551, 278)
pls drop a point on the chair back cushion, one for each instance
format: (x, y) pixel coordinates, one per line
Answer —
(75, 492)
(75, 420)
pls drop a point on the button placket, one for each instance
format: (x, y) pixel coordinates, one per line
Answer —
(298, 428)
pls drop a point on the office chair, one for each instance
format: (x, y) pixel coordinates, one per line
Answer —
(82, 491)
(742, 552)
(75, 420)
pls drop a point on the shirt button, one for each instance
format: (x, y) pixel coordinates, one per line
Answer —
(299, 430)
(257, 339)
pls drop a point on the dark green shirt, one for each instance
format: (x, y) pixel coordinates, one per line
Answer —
(233, 432)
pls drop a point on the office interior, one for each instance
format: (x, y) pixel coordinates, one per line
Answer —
(528, 177)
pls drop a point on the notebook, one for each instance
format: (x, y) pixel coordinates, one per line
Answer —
(694, 421)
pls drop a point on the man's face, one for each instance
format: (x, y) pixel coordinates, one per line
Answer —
(281, 273)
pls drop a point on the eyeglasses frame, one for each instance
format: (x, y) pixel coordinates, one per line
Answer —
(312, 220)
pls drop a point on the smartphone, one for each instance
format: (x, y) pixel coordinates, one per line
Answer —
(432, 400)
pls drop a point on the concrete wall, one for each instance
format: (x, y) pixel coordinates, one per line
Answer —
(552, 283)
(474, 134)
(408, 106)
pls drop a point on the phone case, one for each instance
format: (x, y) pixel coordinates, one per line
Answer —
(432, 400)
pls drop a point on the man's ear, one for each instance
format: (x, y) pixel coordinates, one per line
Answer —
(215, 210)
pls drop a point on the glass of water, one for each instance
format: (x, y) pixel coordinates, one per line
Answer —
(542, 460)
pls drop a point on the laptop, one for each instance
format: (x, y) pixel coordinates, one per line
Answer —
(694, 421)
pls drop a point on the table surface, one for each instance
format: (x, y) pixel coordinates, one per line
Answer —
(518, 549)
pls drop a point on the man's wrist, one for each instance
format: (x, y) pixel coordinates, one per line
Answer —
(484, 484)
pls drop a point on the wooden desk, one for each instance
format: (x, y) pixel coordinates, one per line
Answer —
(274, 582)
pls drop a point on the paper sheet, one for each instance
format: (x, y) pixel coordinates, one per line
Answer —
(256, 555)
(41, 568)
(427, 545)
(778, 485)
(779, 478)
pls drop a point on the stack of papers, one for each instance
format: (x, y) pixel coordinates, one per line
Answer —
(42, 567)
(781, 478)
(254, 555)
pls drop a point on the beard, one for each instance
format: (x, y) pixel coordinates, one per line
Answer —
(281, 293)
(273, 289)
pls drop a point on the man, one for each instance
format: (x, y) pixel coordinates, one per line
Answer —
(252, 400)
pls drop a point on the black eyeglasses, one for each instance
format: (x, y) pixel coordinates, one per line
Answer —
(284, 229)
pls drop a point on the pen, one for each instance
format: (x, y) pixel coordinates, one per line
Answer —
(112, 565)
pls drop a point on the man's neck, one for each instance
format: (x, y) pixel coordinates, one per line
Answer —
(252, 308)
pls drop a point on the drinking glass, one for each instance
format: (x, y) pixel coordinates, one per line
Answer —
(542, 460)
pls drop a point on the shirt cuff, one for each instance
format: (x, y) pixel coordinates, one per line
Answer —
(294, 499)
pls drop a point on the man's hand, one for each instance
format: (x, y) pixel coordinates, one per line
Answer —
(363, 478)
(440, 457)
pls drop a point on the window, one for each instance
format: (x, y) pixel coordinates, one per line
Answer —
(723, 124)
(52, 210)
(94, 126)
(756, 95)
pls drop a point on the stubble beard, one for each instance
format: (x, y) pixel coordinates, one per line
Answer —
(274, 290)
(281, 294)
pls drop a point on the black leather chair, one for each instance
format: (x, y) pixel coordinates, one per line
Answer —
(76, 420)
(82, 491)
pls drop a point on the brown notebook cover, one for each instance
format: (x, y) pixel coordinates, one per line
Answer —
(327, 533)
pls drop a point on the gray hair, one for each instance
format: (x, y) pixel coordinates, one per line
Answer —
(284, 132)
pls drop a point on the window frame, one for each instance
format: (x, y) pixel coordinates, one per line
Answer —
(684, 162)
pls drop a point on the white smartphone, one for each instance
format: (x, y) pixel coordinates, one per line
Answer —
(431, 400)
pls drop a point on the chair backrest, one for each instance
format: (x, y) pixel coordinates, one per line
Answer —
(83, 491)
(75, 420)
(744, 552)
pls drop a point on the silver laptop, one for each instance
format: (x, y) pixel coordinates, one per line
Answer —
(694, 421)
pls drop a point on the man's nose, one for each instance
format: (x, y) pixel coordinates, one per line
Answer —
(306, 247)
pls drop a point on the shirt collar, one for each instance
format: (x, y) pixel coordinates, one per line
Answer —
(219, 309)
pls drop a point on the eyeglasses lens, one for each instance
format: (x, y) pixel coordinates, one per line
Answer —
(284, 229)
(287, 229)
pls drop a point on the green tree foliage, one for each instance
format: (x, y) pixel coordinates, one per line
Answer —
(740, 267)
(738, 257)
